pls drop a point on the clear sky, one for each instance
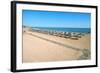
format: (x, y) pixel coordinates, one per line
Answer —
(36, 18)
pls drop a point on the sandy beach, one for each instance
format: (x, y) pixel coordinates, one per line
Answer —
(39, 47)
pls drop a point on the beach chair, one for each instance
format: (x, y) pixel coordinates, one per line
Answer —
(67, 35)
(74, 36)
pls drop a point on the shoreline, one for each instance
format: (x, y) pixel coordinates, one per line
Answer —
(71, 35)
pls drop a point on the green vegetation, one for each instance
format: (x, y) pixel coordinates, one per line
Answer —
(86, 54)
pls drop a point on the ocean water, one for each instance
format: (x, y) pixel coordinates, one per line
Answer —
(83, 30)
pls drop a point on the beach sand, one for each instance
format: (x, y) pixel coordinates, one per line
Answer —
(39, 47)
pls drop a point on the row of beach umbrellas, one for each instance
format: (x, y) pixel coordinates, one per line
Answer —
(71, 35)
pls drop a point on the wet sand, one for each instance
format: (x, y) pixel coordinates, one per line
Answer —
(39, 47)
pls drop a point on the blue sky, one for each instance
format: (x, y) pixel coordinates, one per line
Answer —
(37, 18)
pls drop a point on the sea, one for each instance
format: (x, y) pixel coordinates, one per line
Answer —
(81, 30)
